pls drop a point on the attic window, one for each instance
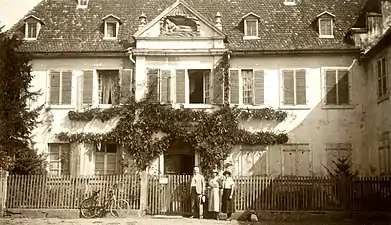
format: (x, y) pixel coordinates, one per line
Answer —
(289, 2)
(111, 26)
(326, 25)
(251, 21)
(82, 3)
(32, 27)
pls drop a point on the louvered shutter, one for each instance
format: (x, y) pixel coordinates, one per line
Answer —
(384, 74)
(301, 87)
(66, 95)
(180, 86)
(343, 87)
(289, 94)
(165, 80)
(55, 78)
(153, 81)
(87, 86)
(126, 77)
(234, 86)
(259, 86)
(217, 85)
(331, 88)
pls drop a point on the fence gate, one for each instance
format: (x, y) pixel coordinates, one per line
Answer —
(169, 194)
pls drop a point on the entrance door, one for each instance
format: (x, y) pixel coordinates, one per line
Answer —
(178, 164)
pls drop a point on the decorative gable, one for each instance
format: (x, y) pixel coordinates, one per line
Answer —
(179, 20)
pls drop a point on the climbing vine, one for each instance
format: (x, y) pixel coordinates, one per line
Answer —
(212, 133)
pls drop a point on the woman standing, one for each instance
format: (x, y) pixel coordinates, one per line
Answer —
(214, 194)
(228, 195)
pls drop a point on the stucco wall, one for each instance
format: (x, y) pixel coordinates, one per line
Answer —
(314, 125)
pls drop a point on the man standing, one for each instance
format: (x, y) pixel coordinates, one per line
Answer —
(197, 190)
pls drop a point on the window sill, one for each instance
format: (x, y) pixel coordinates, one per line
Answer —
(242, 106)
(30, 39)
(62, 107)
(326, 36)
(110, 38)
(251, 38)
(105, 106)
(382, 99)
(337, 107)
(289, 3)
(198, 106)
(295, 107)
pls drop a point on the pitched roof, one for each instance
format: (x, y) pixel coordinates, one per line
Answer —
(281, 27)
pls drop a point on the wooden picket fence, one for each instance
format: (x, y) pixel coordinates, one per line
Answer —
(3, 191)
(172, 194)
(67, 192)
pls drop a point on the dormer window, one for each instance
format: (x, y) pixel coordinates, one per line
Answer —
(111, 26)
(32, 27)
(82, 3)
(289, 2)
(251, 24)
(326, 25)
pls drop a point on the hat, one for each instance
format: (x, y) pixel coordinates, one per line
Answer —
(215, 171)
(227, 172)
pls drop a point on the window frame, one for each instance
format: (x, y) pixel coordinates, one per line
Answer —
(106, 30)
(60, 106)
(243, 90)
(26, 32)
(324, 88)
(99, 87)
(187, 88)
(80, 5)
(331, 20)
(338, 148)
(383, 78)
(105, 161)
(246, 150)
(60, 164)
(282, 97)
(254, 19)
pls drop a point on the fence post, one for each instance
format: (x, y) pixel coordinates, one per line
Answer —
(143, 192)
(3, 190)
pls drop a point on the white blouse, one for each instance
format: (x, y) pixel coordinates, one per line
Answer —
(228, 183)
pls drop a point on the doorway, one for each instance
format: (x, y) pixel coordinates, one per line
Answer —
(179, 159)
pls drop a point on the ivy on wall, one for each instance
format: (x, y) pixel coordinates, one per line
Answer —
(212, 133)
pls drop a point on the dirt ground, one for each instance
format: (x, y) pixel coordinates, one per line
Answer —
(154, 221)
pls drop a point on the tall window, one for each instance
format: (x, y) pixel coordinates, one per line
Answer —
(382, 78)
(111, 30)
(32, 30)
(326, 27)
(59, 159)
(106, 159)
(384, 154)
(199, 86)
(247, 78)
(60, 87)
(251, 28)
(295, 87)
(107, 80)
(337, 86)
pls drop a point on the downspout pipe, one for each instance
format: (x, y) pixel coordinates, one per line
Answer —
(130, 54)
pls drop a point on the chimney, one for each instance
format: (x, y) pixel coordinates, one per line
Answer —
(218, 21)
(143, 21)
(374, 26)
(386, 15)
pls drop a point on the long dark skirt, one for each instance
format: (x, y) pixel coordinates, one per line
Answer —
(228, 204)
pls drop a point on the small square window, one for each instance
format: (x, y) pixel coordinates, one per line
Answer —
(326, 27)
(111, 30)
(83, 2)
(32, 30)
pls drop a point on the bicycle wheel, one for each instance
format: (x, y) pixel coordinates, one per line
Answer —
(120, 208)
(88, 209)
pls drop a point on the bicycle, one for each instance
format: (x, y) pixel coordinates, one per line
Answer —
(90, 207)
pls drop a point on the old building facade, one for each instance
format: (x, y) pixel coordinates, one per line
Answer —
(298, 56)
